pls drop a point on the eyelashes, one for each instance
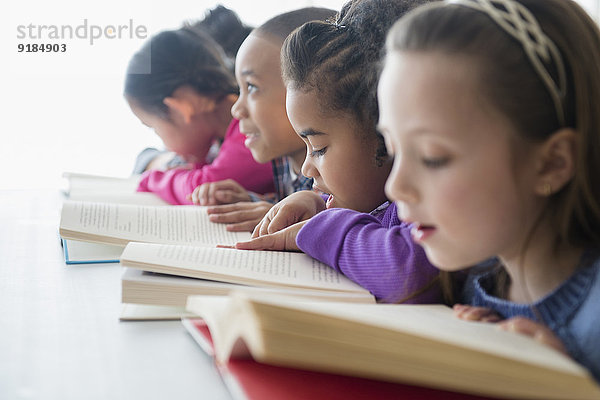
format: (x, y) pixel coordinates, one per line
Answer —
(318, 152)
(434, 163)
(428, 162)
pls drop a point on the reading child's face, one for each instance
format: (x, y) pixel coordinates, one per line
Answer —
(457, 174)
(261, 105)
(340, 159)
(191, 141)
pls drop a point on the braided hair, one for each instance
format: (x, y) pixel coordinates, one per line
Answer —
(340, 59)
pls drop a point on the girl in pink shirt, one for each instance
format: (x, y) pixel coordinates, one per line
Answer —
(179, 85)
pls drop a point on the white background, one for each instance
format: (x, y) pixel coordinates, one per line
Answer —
(65, 112)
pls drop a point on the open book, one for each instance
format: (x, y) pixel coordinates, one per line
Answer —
(143, 287)
(106, 189)
(417, 344)
(270, 269)
(119, 224)
(248, 379)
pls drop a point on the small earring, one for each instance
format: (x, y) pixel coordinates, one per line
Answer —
(547, 189)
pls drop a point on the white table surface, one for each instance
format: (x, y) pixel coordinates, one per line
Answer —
(60, 335)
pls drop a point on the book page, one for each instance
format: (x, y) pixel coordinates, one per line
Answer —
(139, 286)
(439, 323)
(162, 280)
(105, 189)
(155, 224)
(137, 198)
(278, 268)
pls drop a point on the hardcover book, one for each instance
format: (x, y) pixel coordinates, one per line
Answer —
(422, 345)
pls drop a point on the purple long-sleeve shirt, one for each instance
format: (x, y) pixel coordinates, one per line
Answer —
(374, 250)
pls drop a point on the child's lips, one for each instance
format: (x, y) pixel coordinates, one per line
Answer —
(420, 232)
(250, 138)
(329, 201)
(319, 189)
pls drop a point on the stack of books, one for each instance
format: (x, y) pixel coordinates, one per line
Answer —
(283, 325)
(170, 253)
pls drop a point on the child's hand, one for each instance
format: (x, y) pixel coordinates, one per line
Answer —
(223, 192)
(284, 239)
(296, 207)
(524, 326)
(241, 216)
(535, 330)
(472, 313)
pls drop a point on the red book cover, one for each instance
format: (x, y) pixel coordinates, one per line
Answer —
(248, 379)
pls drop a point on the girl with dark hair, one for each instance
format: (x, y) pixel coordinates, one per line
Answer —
(179, 85)
(263, 119)
(330, 70)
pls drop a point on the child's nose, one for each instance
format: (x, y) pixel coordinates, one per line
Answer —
(399, 186)
(238, 110)
(308, 169)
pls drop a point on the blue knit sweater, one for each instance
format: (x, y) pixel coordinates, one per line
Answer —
(571, 311)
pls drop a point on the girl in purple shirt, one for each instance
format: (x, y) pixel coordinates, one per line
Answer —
(354, 229)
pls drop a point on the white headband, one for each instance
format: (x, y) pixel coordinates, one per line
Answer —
(520, 23)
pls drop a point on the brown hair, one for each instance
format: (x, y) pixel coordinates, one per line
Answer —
(509, 81)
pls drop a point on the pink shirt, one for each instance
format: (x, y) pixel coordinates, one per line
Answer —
(233, 162)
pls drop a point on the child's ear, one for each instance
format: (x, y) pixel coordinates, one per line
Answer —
(556, 162)
(180, 108)
(186, 103)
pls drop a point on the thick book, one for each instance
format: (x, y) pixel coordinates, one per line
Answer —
(147, 312)
(248, 379)
(422, 345)
(119, 224)
(144, 287)
(269, 269)
(77, 252)
(106, 189)
(82, 183)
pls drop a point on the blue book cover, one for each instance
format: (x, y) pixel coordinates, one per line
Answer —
(77, 252)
